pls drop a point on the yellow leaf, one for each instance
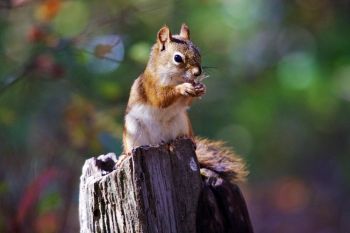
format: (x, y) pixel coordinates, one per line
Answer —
(48, 9)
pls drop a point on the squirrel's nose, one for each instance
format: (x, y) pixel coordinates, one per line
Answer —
(196, 71)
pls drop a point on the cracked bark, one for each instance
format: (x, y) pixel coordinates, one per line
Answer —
(156, 189)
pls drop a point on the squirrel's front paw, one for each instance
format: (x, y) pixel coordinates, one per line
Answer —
(200, 89)
(188, 89)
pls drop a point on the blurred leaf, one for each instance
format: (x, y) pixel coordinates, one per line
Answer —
(140, 52)
(110, 90)
(49, 202)
(72, 18)
(48, 9)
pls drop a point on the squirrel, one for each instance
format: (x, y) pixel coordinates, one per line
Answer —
(160, 97)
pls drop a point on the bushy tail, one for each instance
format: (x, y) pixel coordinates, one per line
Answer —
(215, 156)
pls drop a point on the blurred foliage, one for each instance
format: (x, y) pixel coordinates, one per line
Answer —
(278, 92)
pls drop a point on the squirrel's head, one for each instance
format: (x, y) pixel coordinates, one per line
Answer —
(174, 58)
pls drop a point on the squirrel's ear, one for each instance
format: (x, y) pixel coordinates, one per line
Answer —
(185, 31)
(164, 36)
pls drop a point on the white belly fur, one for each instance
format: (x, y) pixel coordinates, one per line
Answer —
(147, 125)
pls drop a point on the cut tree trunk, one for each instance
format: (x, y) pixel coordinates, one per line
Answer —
(158, 190)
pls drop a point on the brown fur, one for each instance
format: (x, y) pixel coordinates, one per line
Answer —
(158, 96)
(214, 155)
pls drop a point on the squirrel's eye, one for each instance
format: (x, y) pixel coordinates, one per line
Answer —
(178, 58)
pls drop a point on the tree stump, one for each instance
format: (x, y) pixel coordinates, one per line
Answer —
(156, 189)
(159, 190)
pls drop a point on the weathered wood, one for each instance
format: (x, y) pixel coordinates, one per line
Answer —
(221, 206)
(155, 190)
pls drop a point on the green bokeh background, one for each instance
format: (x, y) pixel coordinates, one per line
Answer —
(278, 92)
